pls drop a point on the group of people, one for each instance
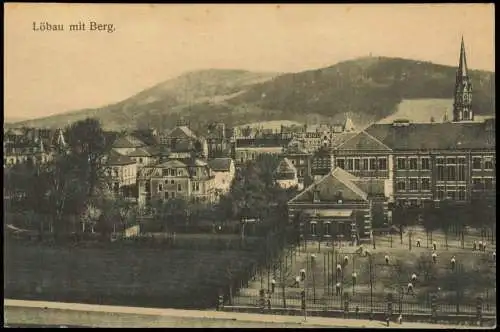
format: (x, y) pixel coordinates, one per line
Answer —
(481, 246)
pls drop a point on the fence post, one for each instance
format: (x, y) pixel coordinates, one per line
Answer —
(346, 305)
(325, 276)
(283, 283)
(433, 308)
(262, 300)
(389, 306)
(479, 311)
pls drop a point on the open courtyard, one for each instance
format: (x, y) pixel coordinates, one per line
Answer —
(456, 288)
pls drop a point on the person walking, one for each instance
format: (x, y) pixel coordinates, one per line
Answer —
(413, 277)
(418, 243)
(453, 261)
(346, 260)
(474, 245)
(302, 274)
(273, 285)
(480, 245)
(337, 288)
(434, 246)
(410, 288)
(297, 282)
(386, 259)
(434, 257)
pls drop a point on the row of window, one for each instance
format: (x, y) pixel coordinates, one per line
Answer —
(14, 160)
(451, 173)
(413, 184)
(160, 186)
(169, 195)
(423, 163)
(357, 164)
(483, 184)
(424, 184)
(453, 193)
(412, 163)
(172, 172)
(486, 163)
(127, 171)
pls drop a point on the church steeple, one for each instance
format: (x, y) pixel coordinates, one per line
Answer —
(462, 107)
(462, 66)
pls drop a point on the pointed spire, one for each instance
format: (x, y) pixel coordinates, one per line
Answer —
(61, 142)
(462, 66)
(41, 147)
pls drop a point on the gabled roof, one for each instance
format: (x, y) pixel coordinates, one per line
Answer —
(183, 146)
(127, 141)
(285, 166)
(147, 136)
(339, 138)
(371, 186)
(336, 182)
(435, 136)
(147, 151)
(220, 164)
(181, 132)
(116, 159)
(363, 141)
(172, 164)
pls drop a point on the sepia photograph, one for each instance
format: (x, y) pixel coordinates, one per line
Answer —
(249, 166)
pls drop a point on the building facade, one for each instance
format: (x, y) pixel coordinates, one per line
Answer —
(339, 206)
(121, 174)
(224, 171)
(173, 179)
(422, 163)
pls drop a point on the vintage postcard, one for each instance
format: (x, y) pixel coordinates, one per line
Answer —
(253, 165)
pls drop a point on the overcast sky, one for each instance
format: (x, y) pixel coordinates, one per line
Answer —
(54, 72)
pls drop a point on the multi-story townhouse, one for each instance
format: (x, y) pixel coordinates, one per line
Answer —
(121, 174)
(127, 144)
(218, 143)
(323, 159)
(249, 149)
(148, 136)
(176, 179)
(299, 157)
(178, 135)
(224, 171)
(146, 156)
(31, 145)
(25, 152)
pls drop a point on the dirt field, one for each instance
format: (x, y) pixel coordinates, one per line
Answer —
(467, 278)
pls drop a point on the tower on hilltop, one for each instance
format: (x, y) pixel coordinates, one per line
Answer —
(462, 106)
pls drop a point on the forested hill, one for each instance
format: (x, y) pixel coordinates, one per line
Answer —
(368, 89)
